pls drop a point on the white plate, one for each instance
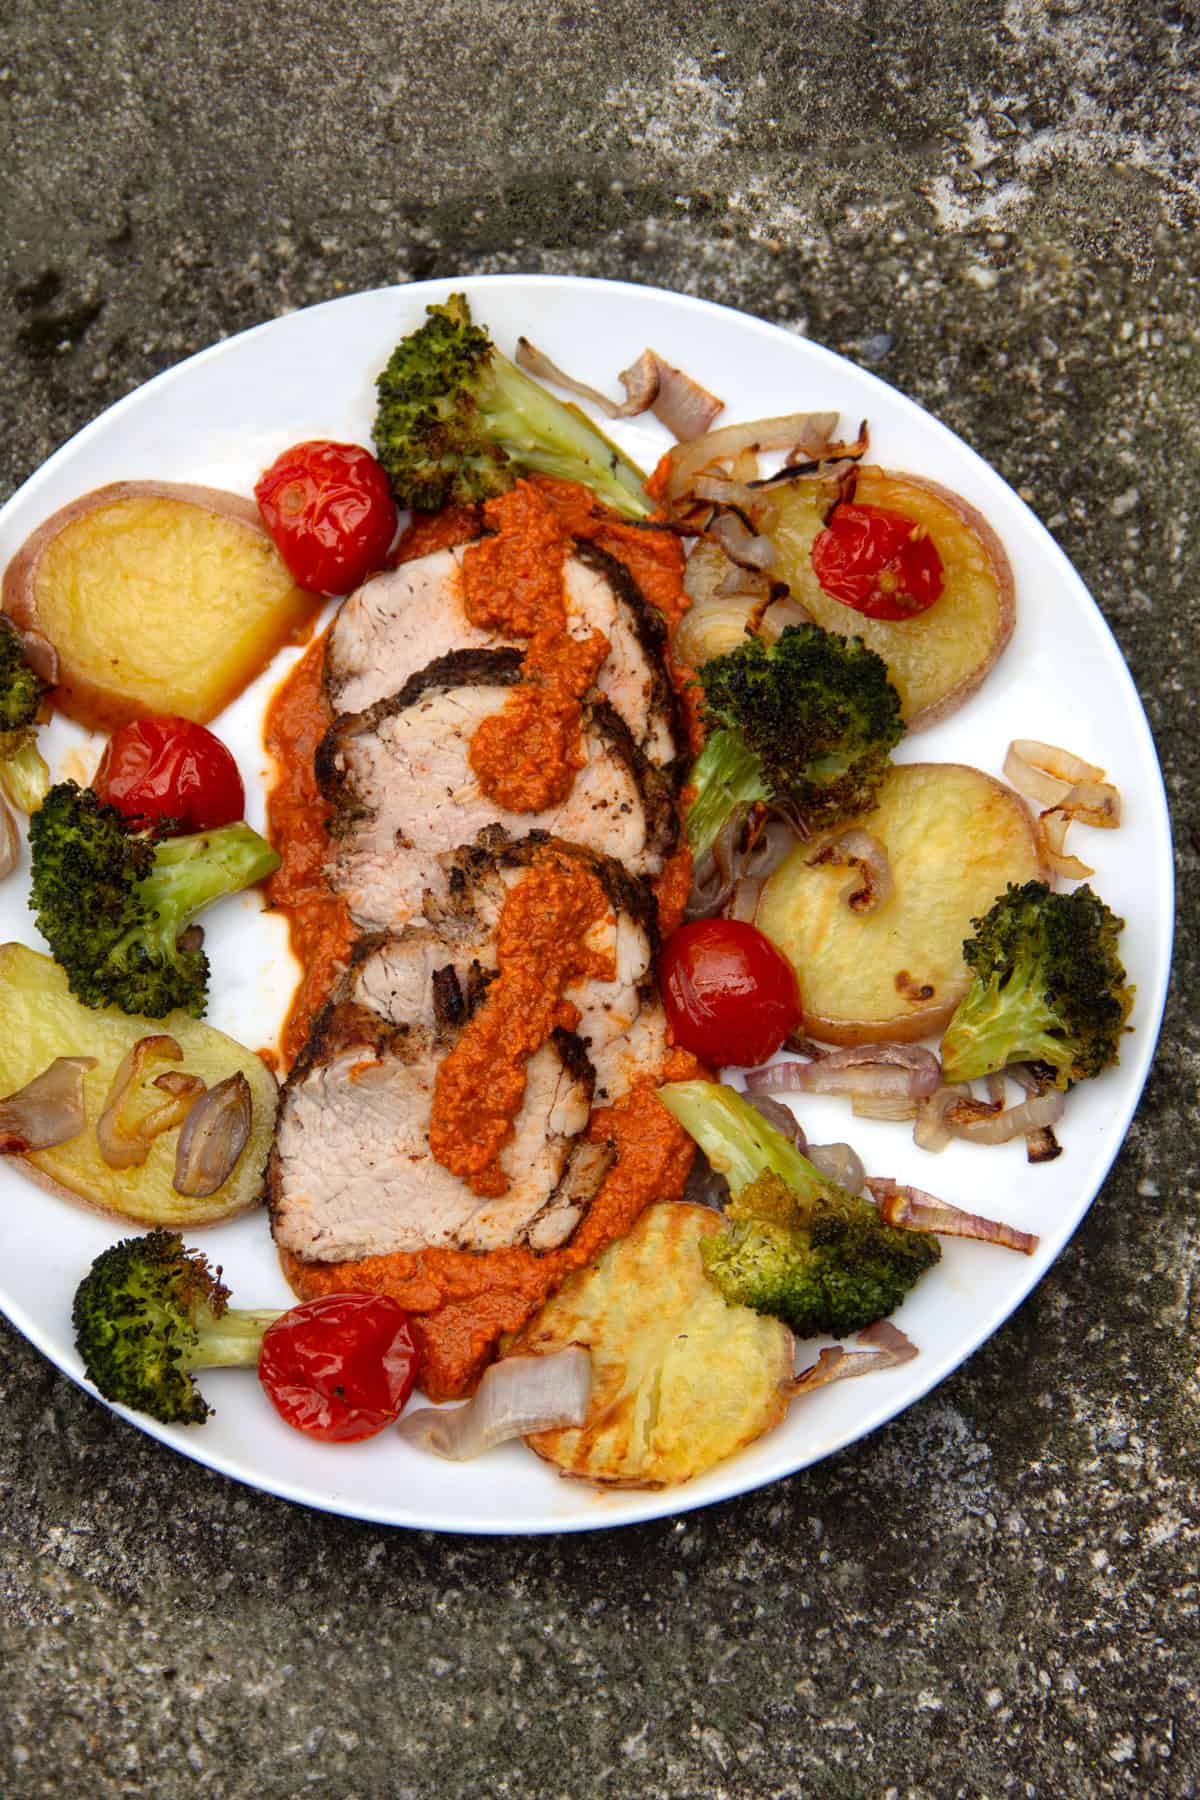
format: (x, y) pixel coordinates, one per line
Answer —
(220, 418)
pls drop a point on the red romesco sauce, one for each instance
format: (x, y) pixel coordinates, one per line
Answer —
(464, 1302)
(540, 949)
(297, 824)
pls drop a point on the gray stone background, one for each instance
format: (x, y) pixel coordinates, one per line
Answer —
(994, 205)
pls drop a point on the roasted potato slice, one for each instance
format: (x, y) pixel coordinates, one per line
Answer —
(43, 1020)
(955, 838)
(939, 657)
(157, 598)
(680, 1379)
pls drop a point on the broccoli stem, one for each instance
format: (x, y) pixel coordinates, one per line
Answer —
(541, 433)
(737, 1140)
(725, 775)
(189, 873)
(1002, 1022)
(24, 777)
(232, 1341)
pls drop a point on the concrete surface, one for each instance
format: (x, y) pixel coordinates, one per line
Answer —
(995, 206)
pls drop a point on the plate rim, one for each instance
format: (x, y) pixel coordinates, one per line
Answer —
(643, 1506)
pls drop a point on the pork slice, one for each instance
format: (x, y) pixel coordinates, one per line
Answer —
(478, 880)
(351, 1173)
(396, 624)
(636, 1055)
(633, 678)
(404, 792)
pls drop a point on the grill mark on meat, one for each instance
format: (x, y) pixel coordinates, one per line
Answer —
(415, 616)
(403, 793)
(662, 734)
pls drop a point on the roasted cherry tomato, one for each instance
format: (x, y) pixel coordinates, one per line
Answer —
(878, 562)
(730, 996)
(167, 768)
(330, 511)
(340, 1368)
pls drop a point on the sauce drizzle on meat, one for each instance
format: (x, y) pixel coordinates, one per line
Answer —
(541, 948)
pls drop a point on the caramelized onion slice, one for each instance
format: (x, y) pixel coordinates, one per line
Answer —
(809, 432)
(213, 1137)
(535, 362)
(888, 1347)
(48, 1110)
(872, 885)
(40, 654)
(913, 1210)
(1044, 771)
(517, 1396)
(128, 1126)
(684, 407)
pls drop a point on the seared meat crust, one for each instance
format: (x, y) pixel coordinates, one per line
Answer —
(404, 794)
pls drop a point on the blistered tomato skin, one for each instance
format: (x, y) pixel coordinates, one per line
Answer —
(340, 1368)
(878, 562)
(730, 997)
(164, 767)
(330, 510)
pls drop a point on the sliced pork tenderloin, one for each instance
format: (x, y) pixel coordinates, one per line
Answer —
(351, 1174)
(404, 793)
(398, 623)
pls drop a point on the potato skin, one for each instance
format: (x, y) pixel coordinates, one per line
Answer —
(681, 1379)
(44, 1020)
(82, 692)
(955, 836)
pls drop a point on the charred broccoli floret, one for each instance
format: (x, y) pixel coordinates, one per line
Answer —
(810, 721)
(24, 776)
(794, 1244)
(147, 1313)
(112, 901)
(1047, 987)
(457, 421)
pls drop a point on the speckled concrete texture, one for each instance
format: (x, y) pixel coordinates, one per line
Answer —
(995, 206)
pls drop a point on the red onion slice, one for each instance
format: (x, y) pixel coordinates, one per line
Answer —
(911, 1209)
(888, 1348)
(931, 1132)
(651, 383)
(741, 545)
(48, 1110)
(683, 406)
(517, 1396)
(866, 1072)
(535, 362)
(1015, 1121)
(213, 1137)
(838, 1163)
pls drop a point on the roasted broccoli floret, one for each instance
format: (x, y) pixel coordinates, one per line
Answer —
(147, 1313)
(112, 901)
(24, 776)
(794, 1243)
(1047, 987)
(810, 721)
(458, 421)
